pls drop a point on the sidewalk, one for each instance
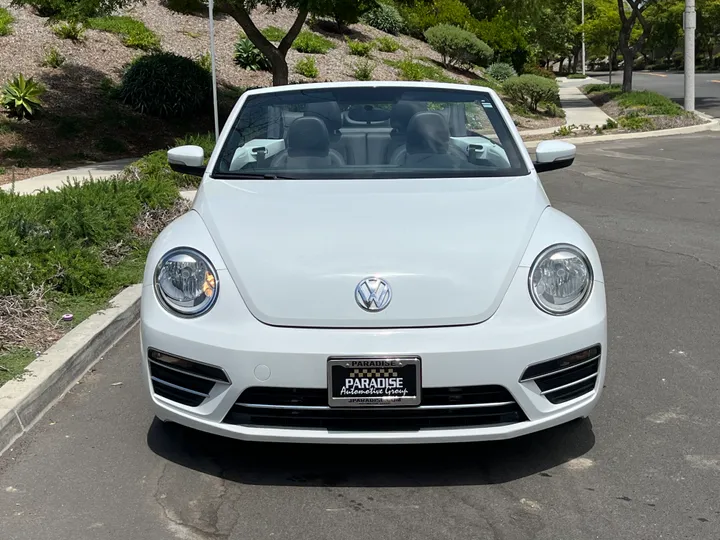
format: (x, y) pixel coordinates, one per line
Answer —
(54, 181)
(578, 108)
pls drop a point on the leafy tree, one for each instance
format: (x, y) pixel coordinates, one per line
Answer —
(708, 26)
(343, 12)
(631, 13)
(602, 29)
(666, 28)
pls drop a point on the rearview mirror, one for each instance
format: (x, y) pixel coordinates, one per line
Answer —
(553, 155)
(187, 159)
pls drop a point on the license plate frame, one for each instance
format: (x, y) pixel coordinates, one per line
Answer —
(380, 365)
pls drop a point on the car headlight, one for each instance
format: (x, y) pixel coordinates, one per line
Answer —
(186, 282)
(560, 279)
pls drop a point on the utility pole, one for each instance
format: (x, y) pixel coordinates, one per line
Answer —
(212, 61)
(583, 35)
(689, 24)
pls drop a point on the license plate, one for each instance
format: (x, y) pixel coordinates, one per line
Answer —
(374, 382)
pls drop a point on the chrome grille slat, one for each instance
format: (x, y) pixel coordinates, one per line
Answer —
(557, 371)
(176, 387)
(569, 385)
(422, 407)
(184, 372)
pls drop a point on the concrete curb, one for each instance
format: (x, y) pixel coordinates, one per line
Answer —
(24, 401)
(710, 126)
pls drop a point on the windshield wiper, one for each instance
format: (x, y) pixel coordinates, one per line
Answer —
(250, 176)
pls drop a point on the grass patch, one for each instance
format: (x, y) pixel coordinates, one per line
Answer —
(312, 43)
(387, 44)
(134, 33)
(53, 58)
(411, 70)
(273, 33)
(650, 103)
(577, 76)
(74, 31)
(6, 22)
(359, 48)
(14, 362)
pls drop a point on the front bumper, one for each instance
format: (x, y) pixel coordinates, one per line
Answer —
(496, 352)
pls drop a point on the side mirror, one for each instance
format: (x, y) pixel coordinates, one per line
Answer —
(553, 155)
(187, 160)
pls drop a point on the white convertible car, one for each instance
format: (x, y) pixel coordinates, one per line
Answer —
(373, 263)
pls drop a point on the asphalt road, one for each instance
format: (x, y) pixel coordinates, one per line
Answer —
(672, 85)
(646, 465)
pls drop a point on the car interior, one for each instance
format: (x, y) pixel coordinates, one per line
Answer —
(334, 136)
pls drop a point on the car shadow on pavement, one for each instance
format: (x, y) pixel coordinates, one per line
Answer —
(283, 464)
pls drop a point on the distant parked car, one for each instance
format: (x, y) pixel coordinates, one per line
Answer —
(373, 263)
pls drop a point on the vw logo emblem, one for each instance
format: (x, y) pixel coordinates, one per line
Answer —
(373, 294)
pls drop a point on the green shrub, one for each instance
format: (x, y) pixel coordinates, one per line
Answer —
(74, 31)
(189, 7)
(488, 83)
(53, 58)
(359, 48)
(155, 164)
(22, 97)
(309, 42)
(165, 85)
(650, 103)
(6, 22)
(205, 61)
(307, 68)
(387, 44)
(531, 69)
(500, 71)
(554, 111)
(602, 88)
(134, 33)
(273, 33)
(419, 16)
(457, 46)
(531, 90)
(249, 57)
(411, 70)
(62, 239)
(385, 18)
(363, 70)
(636, 122)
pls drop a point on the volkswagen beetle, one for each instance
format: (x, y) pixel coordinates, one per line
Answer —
(372, 263)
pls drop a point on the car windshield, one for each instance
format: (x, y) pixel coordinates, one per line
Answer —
(370, 132)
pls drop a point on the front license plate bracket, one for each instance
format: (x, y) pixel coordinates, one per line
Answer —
(374, 382)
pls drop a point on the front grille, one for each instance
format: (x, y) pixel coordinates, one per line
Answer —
(182, 380)
(449, 407)
(567, 377)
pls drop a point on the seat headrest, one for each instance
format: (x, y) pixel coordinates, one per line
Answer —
(308, 136)
(428, 133)
(328, 112)
(402, 112)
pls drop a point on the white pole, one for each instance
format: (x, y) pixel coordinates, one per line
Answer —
(214, 76)
(689, 25)
(583, 37)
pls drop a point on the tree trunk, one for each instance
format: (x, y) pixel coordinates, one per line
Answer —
(280, 71)
(627, 69)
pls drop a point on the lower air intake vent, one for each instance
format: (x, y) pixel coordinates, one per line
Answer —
(566, 378)
(450, 407)
(182, 380)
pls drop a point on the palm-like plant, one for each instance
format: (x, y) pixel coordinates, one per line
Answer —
(21, 96)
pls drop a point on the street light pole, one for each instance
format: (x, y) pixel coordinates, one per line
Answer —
(583, 35)
(212, 62)
(689, 24)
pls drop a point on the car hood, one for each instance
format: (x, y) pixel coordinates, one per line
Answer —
(297, 250)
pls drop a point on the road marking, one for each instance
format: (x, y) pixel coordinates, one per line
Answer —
(656, 74)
